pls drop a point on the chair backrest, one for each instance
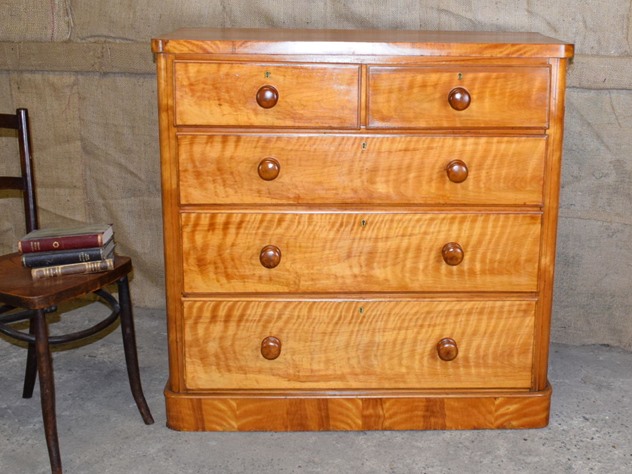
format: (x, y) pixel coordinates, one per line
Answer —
(26, 182)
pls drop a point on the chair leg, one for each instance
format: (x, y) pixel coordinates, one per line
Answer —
(47, 389)
(31, 365)
(129, 345)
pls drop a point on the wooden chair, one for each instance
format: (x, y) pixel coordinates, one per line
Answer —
(22, 298)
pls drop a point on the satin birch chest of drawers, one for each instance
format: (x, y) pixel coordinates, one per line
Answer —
(359, 227)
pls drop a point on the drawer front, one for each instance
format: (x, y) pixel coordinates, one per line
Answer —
(352, 252)
(220, 94)
(357, 345)
(245, 169)
(458, 97)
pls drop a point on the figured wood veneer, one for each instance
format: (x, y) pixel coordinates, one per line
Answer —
(376, 410)
(496, 97)
(359, 227)
(223, 94)
(349, 252)
(357, 345)
(224, 169)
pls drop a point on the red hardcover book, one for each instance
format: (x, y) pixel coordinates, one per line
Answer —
(63, 257)
(50, 240)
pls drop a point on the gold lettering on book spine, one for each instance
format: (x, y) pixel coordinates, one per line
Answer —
(73, 268)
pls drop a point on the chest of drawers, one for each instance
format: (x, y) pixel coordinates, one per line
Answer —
(359, 227)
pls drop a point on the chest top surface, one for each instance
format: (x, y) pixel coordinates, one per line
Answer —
(360, 42)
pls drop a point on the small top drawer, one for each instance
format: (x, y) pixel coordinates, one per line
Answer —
(458, 97)
(266, 95)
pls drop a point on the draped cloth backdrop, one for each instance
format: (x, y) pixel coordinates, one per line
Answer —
(85, 71)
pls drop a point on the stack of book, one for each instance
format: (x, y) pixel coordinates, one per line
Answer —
(58, 252)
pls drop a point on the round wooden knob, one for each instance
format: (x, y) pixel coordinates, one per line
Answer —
(268, 169)
(457, 171)
(447, 349)
(267, 97)
(459, 98)
(270, 256)
(452, 253)
(270, 348)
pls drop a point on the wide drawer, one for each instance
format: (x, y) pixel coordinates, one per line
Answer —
(352, 252)
(267, 169)
(234, 94)
(458, 97)
(357, 344)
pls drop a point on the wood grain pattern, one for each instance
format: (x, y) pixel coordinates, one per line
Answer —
(223, 169)
(357, 411)
(359, 252)
(225, 94)
(417, 97)
(318, 42)
(359, 171)
(170, 207)
(357, 345)
(549, 224)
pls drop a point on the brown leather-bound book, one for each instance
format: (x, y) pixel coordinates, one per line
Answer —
(73, 268)
(53, 239)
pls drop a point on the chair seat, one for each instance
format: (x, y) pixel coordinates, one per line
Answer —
(17, 287)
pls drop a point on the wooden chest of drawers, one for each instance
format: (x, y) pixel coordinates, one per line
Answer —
(359, 227)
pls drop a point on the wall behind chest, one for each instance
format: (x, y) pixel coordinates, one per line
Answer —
(90, 64)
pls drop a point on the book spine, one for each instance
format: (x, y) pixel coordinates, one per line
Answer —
(48, 259)
(71, 269)
(68, 242)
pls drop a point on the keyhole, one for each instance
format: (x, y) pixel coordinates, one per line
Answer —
(363, 223)
(460, 76)
(267, 74)
(361, 310)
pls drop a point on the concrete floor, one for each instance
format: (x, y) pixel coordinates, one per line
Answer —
(101, 432)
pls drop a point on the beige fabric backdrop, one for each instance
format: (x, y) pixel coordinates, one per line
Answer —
(85, 71)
